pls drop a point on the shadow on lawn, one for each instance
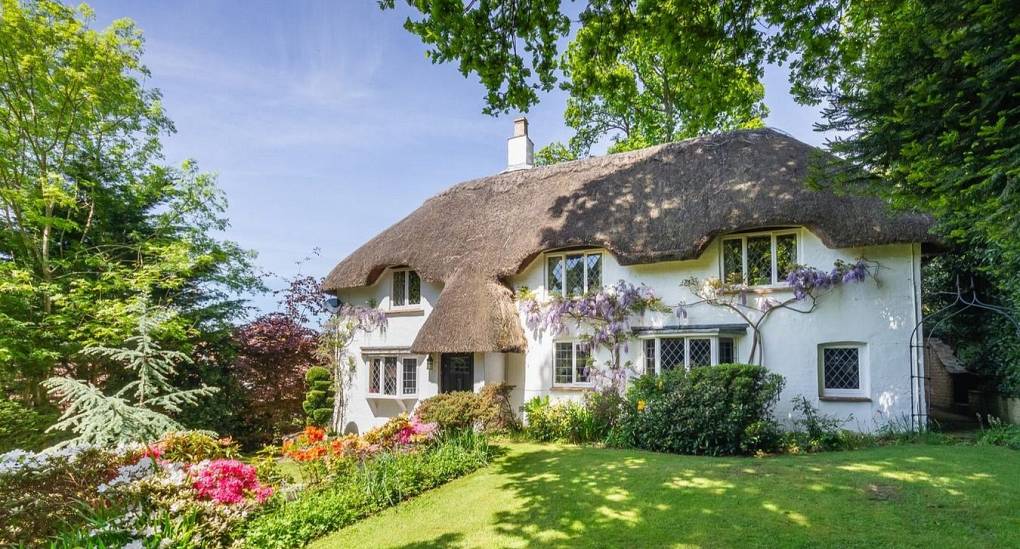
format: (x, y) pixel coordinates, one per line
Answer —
(450, 539)
(647, 499)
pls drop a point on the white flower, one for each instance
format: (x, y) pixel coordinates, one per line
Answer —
(134, 544)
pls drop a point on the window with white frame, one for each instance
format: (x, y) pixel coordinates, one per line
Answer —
(759, 259)
(573, 274)
(388, 373)
(406, 288)
(842, 370)
(727, 350)
(666, 353)
(410, 381)
(571, 362)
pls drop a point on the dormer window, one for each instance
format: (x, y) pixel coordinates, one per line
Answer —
(406, 289)
(573, 274)
(759, 259)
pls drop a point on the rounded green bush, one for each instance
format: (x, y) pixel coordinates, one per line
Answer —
(318, 404)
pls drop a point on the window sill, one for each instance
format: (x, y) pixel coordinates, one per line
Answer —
(761, 290)
(844, 399)
(380, 396)
(574, 388)
(405, 311)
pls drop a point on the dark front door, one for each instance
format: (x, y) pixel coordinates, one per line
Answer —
(457, 372)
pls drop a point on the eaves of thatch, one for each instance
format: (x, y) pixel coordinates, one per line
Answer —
(656, 204)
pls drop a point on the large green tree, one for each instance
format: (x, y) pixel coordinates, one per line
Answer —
(641, 79)
(90, 215)
(924, 94)
(638, 73)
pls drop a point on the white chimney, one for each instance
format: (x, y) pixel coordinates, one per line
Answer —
(520, 151)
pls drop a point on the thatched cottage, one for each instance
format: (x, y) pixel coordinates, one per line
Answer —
(447, 274)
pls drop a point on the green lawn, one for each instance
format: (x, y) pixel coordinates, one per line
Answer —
(550, 495)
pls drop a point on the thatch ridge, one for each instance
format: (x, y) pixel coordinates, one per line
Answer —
(661, 203)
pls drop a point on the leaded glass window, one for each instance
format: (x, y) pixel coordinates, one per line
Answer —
(563, 363)
(842, 368)
(667, 353)
(726, 351)
(759, 260)
(700, 352)
(733, 261)
(399, 288)
(390, 375)
(413, 288)
(593, 270)
(374, 369)
(786, 255)
(671, 353)
(406, 288)
(575, 275)
(410, 376)
(649, 356)
(555, 274)
(581, 355)
(570, 363)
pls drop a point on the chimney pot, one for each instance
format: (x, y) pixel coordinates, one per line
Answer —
(520, 126)
(520, 151)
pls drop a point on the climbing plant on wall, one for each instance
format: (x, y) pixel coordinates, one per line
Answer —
(602, 318)
(808, 285)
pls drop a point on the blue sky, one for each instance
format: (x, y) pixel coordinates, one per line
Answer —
(325, 121)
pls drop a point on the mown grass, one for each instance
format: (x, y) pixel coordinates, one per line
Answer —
(559, 496)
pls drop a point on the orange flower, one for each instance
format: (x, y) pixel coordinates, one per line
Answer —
(314, 434)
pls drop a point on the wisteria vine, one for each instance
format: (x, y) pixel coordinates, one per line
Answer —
(338, 332)
(602, 316)
(808, 285)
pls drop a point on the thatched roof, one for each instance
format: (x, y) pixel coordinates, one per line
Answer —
(661, 203)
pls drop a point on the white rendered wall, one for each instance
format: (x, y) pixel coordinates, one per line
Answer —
(366, 411)
(881, 316)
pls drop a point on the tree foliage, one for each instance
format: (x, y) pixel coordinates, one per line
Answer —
(645, 73)
(318, 404)
(640, 72)
(136, 412)
(89, 215)
(274, 352)
(511, 45)
(924, 95)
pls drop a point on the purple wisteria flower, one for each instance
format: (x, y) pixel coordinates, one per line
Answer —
(806, 281)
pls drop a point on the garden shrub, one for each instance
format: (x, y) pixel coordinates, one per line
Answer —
(1000, 434)
(380, 482)
(38, 491)
(23, 427)
(489, 411)
(605, 407)
(495, 412)
(585, 422)
(193, 446)
(544, 421)
(318, 404)
(456, 411)
(814, 431)
(724, 409)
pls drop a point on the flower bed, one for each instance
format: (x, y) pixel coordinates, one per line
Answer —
(189, 489)
(382, 481)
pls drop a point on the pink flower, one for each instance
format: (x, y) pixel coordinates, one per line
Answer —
(228, 481)
(416, 432)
